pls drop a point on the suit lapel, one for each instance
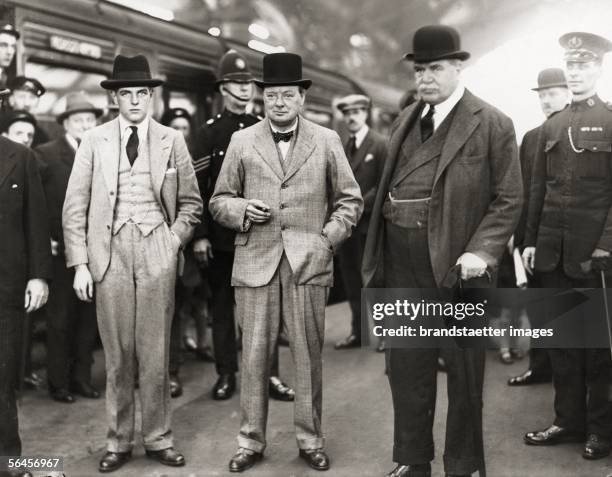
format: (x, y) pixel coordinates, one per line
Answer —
(158, 142)
(464, 123)
(110, 153)
(302, 149)
(361, 152)
(265, 147)
(67, 153)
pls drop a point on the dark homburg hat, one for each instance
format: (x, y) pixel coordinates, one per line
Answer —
(583, 47)
(78, 103)
(24, 83)
(9, 29)
(233, 67)
(128, 72)
(551, 78)
(436, 42)
(283, 69)
(11, 117)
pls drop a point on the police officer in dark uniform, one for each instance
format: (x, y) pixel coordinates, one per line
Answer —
(214, 243)
(569, 227)
(25, 95)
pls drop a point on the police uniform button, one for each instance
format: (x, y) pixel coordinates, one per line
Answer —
(594, 148)
(419, 223)
(220, 153)
(590, 102)
(240, 125)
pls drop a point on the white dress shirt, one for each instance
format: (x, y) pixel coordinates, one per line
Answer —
(445, 107)
(126, 132)
(282, 145)
(360, 135)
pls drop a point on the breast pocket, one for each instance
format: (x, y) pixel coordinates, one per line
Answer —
(594, 161)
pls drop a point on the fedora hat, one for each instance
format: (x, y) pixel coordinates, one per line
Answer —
(283, 69)
(436, 42)
(551, 78)
(132, 71)
(233, 67)
(78, 103)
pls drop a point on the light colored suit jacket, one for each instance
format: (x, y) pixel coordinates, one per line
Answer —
(314, 205)
(87, 216)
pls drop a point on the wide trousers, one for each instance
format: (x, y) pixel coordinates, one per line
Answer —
(260, 311)
(135, 303)
(11, 316)
(413, 372)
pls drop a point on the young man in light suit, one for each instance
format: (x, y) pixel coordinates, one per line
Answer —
(287, 188)
(132, 202)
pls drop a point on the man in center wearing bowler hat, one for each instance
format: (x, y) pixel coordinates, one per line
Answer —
(288, 190)
(71, 323)
(450, 195)
(132, 203)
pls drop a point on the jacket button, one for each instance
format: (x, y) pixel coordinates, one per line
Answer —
(282, 206)
(284, 186)
(112, 192)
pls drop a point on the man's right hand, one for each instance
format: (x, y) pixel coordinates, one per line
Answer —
(529, 259)
(83, 283)
(202, 250)
(257, 211)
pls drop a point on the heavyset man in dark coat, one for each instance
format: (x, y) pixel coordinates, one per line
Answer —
(569, 227)
(450, 194)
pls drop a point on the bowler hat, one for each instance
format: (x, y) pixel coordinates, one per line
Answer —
(283, 69)
(551, 78)
(233, 67)
(23, 83)
(436, 42)
(128, 72)
(582, 47)
(78, 103)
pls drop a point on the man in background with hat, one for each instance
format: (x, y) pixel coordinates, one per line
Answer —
(19, 126)
(365, 150)
(288, 190)
(569, 234)
(132, 203)
(449, 198)
(25, 96)
(8, 46)
(554, 96)
(213, 242)
(25, 268)
(71, 323)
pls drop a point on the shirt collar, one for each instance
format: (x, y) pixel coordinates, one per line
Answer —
(143, 128)
(72, 141)
(360, 135)
(446, 106)
(292, 128)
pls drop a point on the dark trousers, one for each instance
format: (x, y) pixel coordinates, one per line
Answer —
(350, 256)
(580, 376)
(223, 325)
(71, 330)
(11, 315)
(413, 372)
(539, 362)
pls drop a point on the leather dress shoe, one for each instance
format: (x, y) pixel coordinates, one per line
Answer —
(113, 461)
(596, 447)
(315, 458)
(224, 387)
(415, 470)
(552, 436)
(244, 459)
(33, 381)
(85, 389)
(280, 391)
(61, 395)
(527, 378)
(351, 341)
(169, 456)
(176, 387)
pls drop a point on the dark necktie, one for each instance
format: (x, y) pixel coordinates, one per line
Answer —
(78, 141)
(427, 124)
(282, 136)
(351, 147)
(131, 148)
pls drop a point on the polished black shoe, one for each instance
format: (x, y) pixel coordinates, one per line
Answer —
(176, 387)
(351, 341)
(552, 436)
(61, 395)
(33, 381)
(169, 456)
(527, 378)
(415, 470)
(244, 459)
(224, 387)
(113, 461)
(204, 354)
(280, 391)
(315, 458)
(596, 447)
(85, 389)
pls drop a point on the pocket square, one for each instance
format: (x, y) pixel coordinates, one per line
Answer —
(14, 186)
(369, 157)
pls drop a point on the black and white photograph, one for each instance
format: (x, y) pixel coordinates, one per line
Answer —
(292, 238)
